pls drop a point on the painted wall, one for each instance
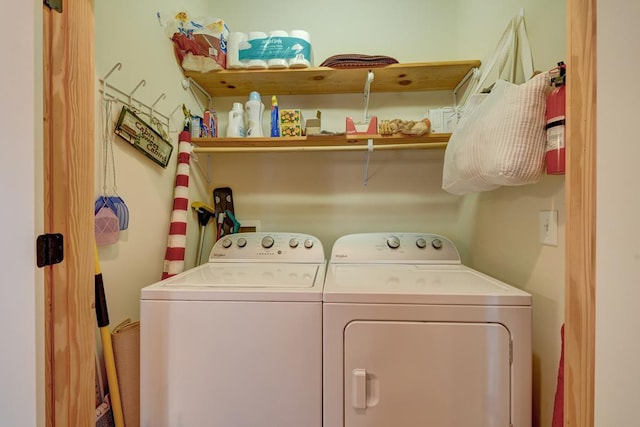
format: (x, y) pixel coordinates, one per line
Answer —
(617, 211)
(324, 193)
(21, 358)
(502, 236)
(130, 33)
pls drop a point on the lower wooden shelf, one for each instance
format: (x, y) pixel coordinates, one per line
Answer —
(320, 143)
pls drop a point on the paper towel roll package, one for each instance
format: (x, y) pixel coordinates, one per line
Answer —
(303, 58)
(278, 50)
(236, 39)
(280, 61)
(256, 38)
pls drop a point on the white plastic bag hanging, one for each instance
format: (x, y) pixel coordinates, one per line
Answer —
(501, 141)
(513, 47)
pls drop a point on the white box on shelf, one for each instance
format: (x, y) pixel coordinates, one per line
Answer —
(443, 120)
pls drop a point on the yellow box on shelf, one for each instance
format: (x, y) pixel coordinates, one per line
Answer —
(291, 122)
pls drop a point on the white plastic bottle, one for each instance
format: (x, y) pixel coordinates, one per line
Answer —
(235, 128)
(254, 109)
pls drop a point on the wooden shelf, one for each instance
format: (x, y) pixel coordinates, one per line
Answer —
(411, 77)
(319, 143)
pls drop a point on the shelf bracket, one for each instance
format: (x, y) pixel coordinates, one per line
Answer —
(196, 160)
(472, 73)
(366, 161)
(189, 83)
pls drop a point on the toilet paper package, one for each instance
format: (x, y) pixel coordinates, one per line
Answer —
(277, 49)
(200, 43)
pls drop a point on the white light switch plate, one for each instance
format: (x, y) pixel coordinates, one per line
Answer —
(548, 227)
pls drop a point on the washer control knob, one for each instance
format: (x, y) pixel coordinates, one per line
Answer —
(421, 243)
(308, 243)
(242, 242)
(393, 242)
(293, 243)
(267, 242)
(226, 243)
(436, 243)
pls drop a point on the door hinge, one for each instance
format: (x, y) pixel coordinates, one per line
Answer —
(49, 249)
(54, 4)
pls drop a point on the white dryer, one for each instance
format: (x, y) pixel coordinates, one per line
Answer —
(236, 341)
(411, 337)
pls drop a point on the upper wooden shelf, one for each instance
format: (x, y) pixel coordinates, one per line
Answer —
(411, 77)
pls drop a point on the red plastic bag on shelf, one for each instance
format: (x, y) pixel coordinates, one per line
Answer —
(200, 44)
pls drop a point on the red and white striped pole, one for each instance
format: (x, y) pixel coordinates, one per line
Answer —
(176, 241)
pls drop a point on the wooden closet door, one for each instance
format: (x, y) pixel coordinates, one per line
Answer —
(580, 285)
(69, 114)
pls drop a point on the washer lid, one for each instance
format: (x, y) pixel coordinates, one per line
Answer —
(417, 284)
(242, 281)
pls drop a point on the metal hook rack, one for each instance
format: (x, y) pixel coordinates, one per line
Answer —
(128, 98)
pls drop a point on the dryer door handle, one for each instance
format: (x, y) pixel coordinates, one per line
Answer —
(359, 388)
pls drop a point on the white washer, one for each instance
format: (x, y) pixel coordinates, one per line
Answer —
(411, 337)
(236, 341)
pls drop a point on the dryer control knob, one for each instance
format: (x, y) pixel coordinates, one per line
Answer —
(226, 243)
(393, 242)
(242, 242)
(293, 243)
(267, 242)
(436, 243)
(308, 243)
(421, 243)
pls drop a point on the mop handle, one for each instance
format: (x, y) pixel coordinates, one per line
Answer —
(107, 348)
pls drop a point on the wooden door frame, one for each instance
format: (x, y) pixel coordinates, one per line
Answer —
(69, 114)
(68, 138)
(580, 285)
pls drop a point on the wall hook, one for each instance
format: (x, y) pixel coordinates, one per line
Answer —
(179, 106)
(142, 83)
(163, 96)
(103, 82)
(174, 110)
(118, 66)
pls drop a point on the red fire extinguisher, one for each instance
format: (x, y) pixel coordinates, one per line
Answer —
(555, 127)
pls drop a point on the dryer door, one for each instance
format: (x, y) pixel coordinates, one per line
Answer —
(406, 374)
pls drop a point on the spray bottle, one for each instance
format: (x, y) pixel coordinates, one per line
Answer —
(275, 118)
(254, 109)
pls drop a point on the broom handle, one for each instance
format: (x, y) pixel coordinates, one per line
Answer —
(102, 316)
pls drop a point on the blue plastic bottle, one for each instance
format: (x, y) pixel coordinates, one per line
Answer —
(275, 118)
